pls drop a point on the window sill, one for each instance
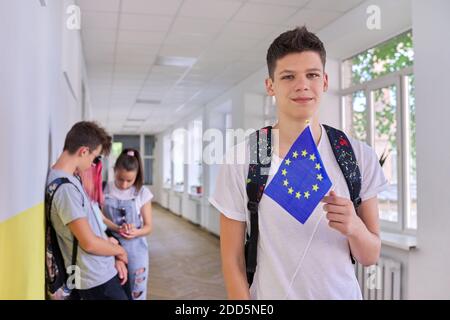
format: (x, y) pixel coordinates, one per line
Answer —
(399, 241)
(195, 196)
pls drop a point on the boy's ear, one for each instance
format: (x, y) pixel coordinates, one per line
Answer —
(325, 82)
(269, 87)
(82, 150)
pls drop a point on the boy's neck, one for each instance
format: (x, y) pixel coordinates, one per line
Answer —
(66, 163)
(289, 130)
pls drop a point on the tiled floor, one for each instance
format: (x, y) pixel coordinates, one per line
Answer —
(184, 260)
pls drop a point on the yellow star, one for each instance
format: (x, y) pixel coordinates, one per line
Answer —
(315, 187)
(312, 157)
(249, 180)
(304, 153)
(290, 190)
(298, 195)
(319, 177)
(284, 172)
(318, 166)
(288, 162)
(307, 194)
(295, 154)
(285, 182)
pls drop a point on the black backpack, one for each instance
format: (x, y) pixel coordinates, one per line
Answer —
(55, 271)
(261, 146)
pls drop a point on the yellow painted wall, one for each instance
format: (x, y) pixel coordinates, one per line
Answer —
(22, 274)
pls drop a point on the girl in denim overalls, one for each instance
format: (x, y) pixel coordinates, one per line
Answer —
(127, 209)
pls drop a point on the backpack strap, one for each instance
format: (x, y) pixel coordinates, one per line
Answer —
(49, 195)
(260, 158)
(345, 157)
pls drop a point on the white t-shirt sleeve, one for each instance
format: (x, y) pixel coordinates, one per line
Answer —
(145, 195)
(373, 180)
(230, 195)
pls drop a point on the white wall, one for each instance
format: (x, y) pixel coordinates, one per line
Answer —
(429, 273)
(37, 108)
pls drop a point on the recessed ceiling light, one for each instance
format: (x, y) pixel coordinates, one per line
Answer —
(175, 61)
(148, 101)
(135, 120)
(180, 107)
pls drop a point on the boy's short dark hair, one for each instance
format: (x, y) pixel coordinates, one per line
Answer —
(87, 134)
(294, 41)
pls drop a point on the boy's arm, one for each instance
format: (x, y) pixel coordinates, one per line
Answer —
(92, 244)
(362, 230)
(109, 224)
(232, 235)
(365, 244)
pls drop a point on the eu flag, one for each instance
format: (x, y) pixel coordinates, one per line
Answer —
(301, 181)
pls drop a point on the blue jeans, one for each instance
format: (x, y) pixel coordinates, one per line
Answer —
(110, 290)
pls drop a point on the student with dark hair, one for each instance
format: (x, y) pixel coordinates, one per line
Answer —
(128, 214)
(312, 259)
(74, 220)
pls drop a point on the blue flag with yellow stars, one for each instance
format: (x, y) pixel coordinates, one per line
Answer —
(301, 181)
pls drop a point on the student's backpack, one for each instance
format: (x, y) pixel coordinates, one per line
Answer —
(55, 271)
(261, 146)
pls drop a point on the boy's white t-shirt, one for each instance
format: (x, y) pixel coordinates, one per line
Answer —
(142, 197)
(326, 271)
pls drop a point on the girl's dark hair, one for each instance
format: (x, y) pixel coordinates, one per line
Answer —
(294, 41)
(130, 160)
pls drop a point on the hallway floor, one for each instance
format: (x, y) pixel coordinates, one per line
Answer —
(184, 260)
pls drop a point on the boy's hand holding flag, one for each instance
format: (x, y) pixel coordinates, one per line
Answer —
(342, 215)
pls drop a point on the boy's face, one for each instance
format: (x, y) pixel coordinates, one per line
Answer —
(298, 83)
(87, 157)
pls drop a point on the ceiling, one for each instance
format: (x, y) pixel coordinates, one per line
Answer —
(151, 63)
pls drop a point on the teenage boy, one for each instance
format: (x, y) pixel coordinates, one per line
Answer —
(294, 260)
(101, 262)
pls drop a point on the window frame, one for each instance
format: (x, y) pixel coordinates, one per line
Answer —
(174, 141)
(400, 80)
(146, 156)
(167, 161)
(190, 156)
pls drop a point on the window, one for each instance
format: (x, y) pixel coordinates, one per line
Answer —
(378, 108)
(195, 157)
(410, 123)
(178, 137)
(167, 163)
(355, 114)
(128, 141)
(385, 145)
(393, 55)
(148, 158)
